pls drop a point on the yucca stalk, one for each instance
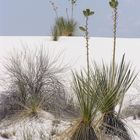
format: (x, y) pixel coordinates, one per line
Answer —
(73, 3)
(114, 4)
(110, 94)
(86, 13)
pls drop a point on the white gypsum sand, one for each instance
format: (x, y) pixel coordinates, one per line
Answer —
(70, 52)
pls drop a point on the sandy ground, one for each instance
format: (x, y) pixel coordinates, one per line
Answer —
(71, 53)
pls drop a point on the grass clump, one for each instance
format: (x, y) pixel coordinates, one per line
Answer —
(63, 27)
(33, 83)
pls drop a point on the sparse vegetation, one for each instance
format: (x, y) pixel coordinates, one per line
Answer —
(63, 27)
(110, 94)
(34, 91)
(33, 83)
(83, 129)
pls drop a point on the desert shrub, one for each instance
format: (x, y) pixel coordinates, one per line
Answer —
(63, 27)
(33, 83)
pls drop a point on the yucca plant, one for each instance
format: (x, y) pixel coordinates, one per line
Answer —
(33, 108)
(88, 105)
(63, 27)
(109, 94)
(83, 128)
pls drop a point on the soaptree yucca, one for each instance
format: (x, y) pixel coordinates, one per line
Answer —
(110, 94)
(88, 104)
(88, 107)
(83, 128)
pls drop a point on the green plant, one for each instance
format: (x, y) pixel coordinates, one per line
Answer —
(88, 107)
(32, 108)
(84, 129)
(55, 33)
(63, 27)
(110, 94)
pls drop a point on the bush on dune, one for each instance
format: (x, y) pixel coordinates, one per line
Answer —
(34, 83)
(63, 27)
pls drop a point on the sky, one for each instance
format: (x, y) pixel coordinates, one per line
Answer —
(36, 17)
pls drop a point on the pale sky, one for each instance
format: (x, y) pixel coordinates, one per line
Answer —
(36, 17)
